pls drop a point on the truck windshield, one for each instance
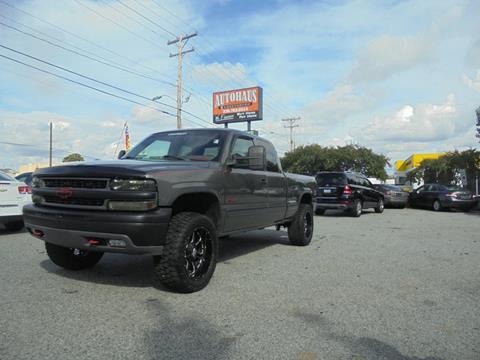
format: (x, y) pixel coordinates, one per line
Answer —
(196, 145)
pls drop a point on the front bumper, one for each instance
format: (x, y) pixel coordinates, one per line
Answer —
(142, 232)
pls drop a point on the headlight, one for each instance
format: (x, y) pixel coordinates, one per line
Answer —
(132, 185)
(37, 182)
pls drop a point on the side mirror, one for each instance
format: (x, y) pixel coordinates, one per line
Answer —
(256, 158)
(121, 154)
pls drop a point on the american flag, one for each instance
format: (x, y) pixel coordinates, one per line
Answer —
(128, 145)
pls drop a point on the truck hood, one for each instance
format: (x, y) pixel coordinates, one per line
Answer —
(122, 168)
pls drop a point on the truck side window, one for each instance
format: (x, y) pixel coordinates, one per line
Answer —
(273, 163)
(241, 146)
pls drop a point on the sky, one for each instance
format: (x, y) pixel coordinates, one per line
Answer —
(399, 77)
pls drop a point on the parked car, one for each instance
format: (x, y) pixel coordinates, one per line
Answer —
(441, 197)
(13, 195)
(25, 177)
(393, 195)
(172, 196)
(348, 191)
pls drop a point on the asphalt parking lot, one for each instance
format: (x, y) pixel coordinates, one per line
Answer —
(402, 285)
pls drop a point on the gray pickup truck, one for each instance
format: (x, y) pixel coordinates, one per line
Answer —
(172, 196)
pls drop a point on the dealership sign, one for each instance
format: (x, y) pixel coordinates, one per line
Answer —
(237, 105)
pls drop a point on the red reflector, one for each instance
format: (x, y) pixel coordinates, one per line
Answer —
(38, 233)
(93, 241)
(347, 190)
(24, 189)
(388, 193)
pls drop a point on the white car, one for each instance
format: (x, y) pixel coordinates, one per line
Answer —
(13, 195)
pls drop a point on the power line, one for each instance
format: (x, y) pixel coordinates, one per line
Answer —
(97, 81)
(118, 24)
(83, 55)
(146, 18)
(82, 38)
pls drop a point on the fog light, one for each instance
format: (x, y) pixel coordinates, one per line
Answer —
(117, 243)
(132, 205)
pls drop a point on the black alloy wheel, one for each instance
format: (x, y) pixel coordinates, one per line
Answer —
(190, 253)
(300, 230)
(198, 252)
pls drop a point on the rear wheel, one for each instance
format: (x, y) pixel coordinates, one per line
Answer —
(300, 231)
(14, 225)
(190, 253)
(72, 259)
(437, 206)
(356, 210)
(380, 206)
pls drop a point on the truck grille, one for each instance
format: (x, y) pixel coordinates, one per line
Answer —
(76, 183)
(75, 201)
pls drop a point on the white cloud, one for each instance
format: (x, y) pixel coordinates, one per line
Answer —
(472, 83)
(334, 106)
(387, 55)
(220, 73)
(422, 122)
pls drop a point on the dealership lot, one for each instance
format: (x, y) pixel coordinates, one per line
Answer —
(399, 285)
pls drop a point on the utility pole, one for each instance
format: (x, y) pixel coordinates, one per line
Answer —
(51, 145)
(291, 124)
(181, 41)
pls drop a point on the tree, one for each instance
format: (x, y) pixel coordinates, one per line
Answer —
(73, 157)
(445, 169)
(314, 158)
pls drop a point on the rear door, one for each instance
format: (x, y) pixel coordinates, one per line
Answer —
(276, 185)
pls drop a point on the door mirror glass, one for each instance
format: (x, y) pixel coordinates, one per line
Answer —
(121, 154)
(256, 158)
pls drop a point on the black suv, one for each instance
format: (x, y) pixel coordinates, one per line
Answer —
(349, 191)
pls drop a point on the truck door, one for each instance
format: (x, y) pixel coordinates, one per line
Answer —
(245, 191)
(276, 185)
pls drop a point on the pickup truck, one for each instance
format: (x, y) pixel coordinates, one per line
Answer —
(171, 196)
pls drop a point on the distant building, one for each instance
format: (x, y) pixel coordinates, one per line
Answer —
(405, 167)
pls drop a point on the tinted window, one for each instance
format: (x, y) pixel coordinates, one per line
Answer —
(451, 188)
(240, 149)
(273, 164)
(428, 188)
(331, 179)
(241, 146)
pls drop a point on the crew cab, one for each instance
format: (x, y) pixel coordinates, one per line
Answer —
(347, 191)
(172, 196)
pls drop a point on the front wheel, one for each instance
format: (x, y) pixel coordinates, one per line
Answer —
(380, 206)
(300, 231)
(190, 253)
(437, 206)
(72, 259)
